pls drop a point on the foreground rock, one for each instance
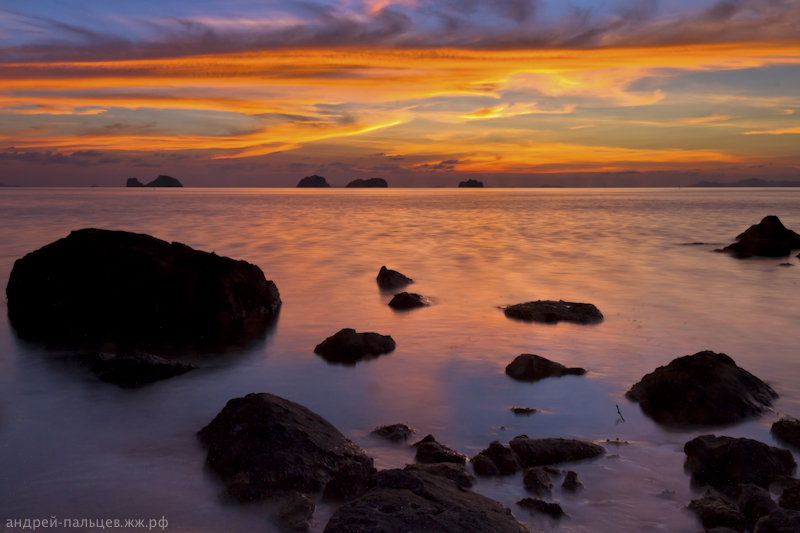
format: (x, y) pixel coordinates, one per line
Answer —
(313, 181)
(470, 183)
(714, 511)
(371, 182)
(768, 238)
(161, 181)
(701, 389)
(452, 471)
(790, 499)
(297, 512)
(754, 503)
(553, 510)
(430, 451)
(530, 367)
(417, 502)
(97, 286)
(407, 300)
(537, 481)
(787, 430)
(550, 311)
(779, 521)
(541, 452)
(395, 432)
(390, 279)
(496, 460)
(725, 462)
(348, 347)
(132, 369)
(262, 445)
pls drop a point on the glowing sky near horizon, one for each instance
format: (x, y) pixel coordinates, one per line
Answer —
(398, 88)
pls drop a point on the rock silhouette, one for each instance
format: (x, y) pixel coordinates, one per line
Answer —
(391, 279)
(530, 367)
(768, 238)
(313, 181)
(348, 347)
(371, 182)
(542, 452)
(550, 311)
(394, 432)
(132, 369)
(161, 181)
(470, 183)
(407, 300)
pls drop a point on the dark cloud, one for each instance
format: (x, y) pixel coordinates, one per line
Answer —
(57, 158)
(444, 165)
(87, 153)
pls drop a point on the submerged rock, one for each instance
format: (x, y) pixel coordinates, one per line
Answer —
(390, 279)
(470, 183)
(395, 432)
(262, 445)
(714, 511)
(779, 521)
(430, 451)
(371, 182)
(313, 181)
(527, 411)
(410, 501)
(538, 481)
(530, 367)
(496, 460)
(348, 347)
(550, 311)
(787, 430)
(553, 510)
(701, 389)
(132, 369)
(768, 238)
(407, 300)
(541, 452)
(452, 471)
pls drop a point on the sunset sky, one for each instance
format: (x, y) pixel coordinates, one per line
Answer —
(420, 92)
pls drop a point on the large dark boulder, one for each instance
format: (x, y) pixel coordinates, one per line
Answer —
(407, 501)
(725, 462)
(371, 182)
(390, 279)
(768, 238)
(550, 311)
(132, 369)
(164, 181)
(470, 183)
(701, 389)
(348, 347)
(530, 367)
(313, 181)
(714, 511)
(541, 452)
(262, 445)
(133, 182)
(787, 430)
(779, 521)
(496, 460)
(97, 286)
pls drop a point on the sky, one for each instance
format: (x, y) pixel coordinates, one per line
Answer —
(246, 93)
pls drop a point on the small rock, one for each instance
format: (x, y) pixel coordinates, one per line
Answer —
(435, 452)
(616, 441)
(754, 502)
(133, 369)
(530, 367)
(454, 472)
(523, 410)
(779, 521)
(484, 466)
(787, 430)
(348, 347)
(395, 432)
(552, 510)
(541, 452)
(550, 311)
(297, 512)
(503, 457)
(538, 481)
(571, 482)
(407, 300)
(390, 279)
(768, 238)
(714, 511)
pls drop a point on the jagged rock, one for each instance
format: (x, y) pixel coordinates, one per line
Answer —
(395, 432)
(538, 481)
(714, 511)
(787, 430)
(430, 451)
(132, 369)
(768, 238)
(502, 457)
(530, 367)
(407, 300)
(779, 521)
(725, 462)
(541, 452)
(297, 512)
(313, 181)
(452, 471)
(98, 286)
(348, 347)
(754, 502)
(552, 510)
(571, 482)
(470, 183)
(409, 501)
(390, 279)
(550, 311)
(133, 182)
(263, 445)
(371, 182)
(701, 389)
(527, 411)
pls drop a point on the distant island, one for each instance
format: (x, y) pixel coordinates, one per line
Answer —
(372, 182)
(313, 181)
(752, 182)
(161, 181)
(471, 183)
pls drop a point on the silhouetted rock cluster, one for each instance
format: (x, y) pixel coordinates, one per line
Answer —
(371, 182)
(313, 181)
(471, 183)
(768, 238)
(550, 311)
(348, 347)
(530, 367)
(161, 181)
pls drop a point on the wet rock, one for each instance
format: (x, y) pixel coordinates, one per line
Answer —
(541, 452)
(395, 432)
(779, 521)
(430, 451)
(98, 286)
(768, 238)
(502, 457)
(262, 445)
(530, 367)
(132, 369)
(484, 466)
(454, 472)
(725, 462)
(350, 481)
(470, 183)
(389, 279)
(571, 482)
(754, 502)
(551, 311)
(423, 440)
(407, 300)
(553, 510)
(527, 411)
(417, 502)
(537, 481)
(348, 347)
(701, 389)
(313, 181)
(297, 512)
(371, 182)
(790, 499)
(787, 430)
(714, 511)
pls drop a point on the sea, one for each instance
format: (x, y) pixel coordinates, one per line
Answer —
(72, 447)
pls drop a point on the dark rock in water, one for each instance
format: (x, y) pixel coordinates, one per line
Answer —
(529, 367)
(164, 181)
(540, 452)
(395, 432)
(553, 510)
(550, 311)
(527, 411)
(790, 499)
(98, 286)
(350, 481)
(779, 521)
(754, 502)
(701, 389)
(538, 481)
(262, 445)
(313, 181)
(483, 466)
(348, 347)
(371, 182)
(768, 238)
(431, 451)
(407, 300)
(787, 430)
(786, 265)
(133, 182)
(725, 462)
(132, 369)
(571, 482)
(389, 279)
(470, 183)
(714, 511)
(409, 501)
(454, 472)
(423, 440)
(502, 457)
(297, 512)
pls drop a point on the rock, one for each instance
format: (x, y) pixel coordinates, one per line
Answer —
(538, 481)
(395, 432)
(787, 430)
(132, 369)
(553, 510)
(407, 300)
(371, 182)
(550, 311)
(97, 286)
(430, 451)
(133, 182)
(389, 279)
(571, 482)
(348, 347)
(164, 181)
(350, 481)
(483, 466)
(297, 512)
(541, 452)
(313, 181)
(263, 445)
(701, 389)
(714, 511)
(786, 264)
(754, 502)
(470, 183)
(503, 457)
(725, 462)
(768, 238)
(790, 499)
(527, 411)
(779, 521)
(529, 367)
(423, 440)
(410, 501)
(454, 472)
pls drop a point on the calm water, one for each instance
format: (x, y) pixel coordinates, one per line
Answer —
(73, 447)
